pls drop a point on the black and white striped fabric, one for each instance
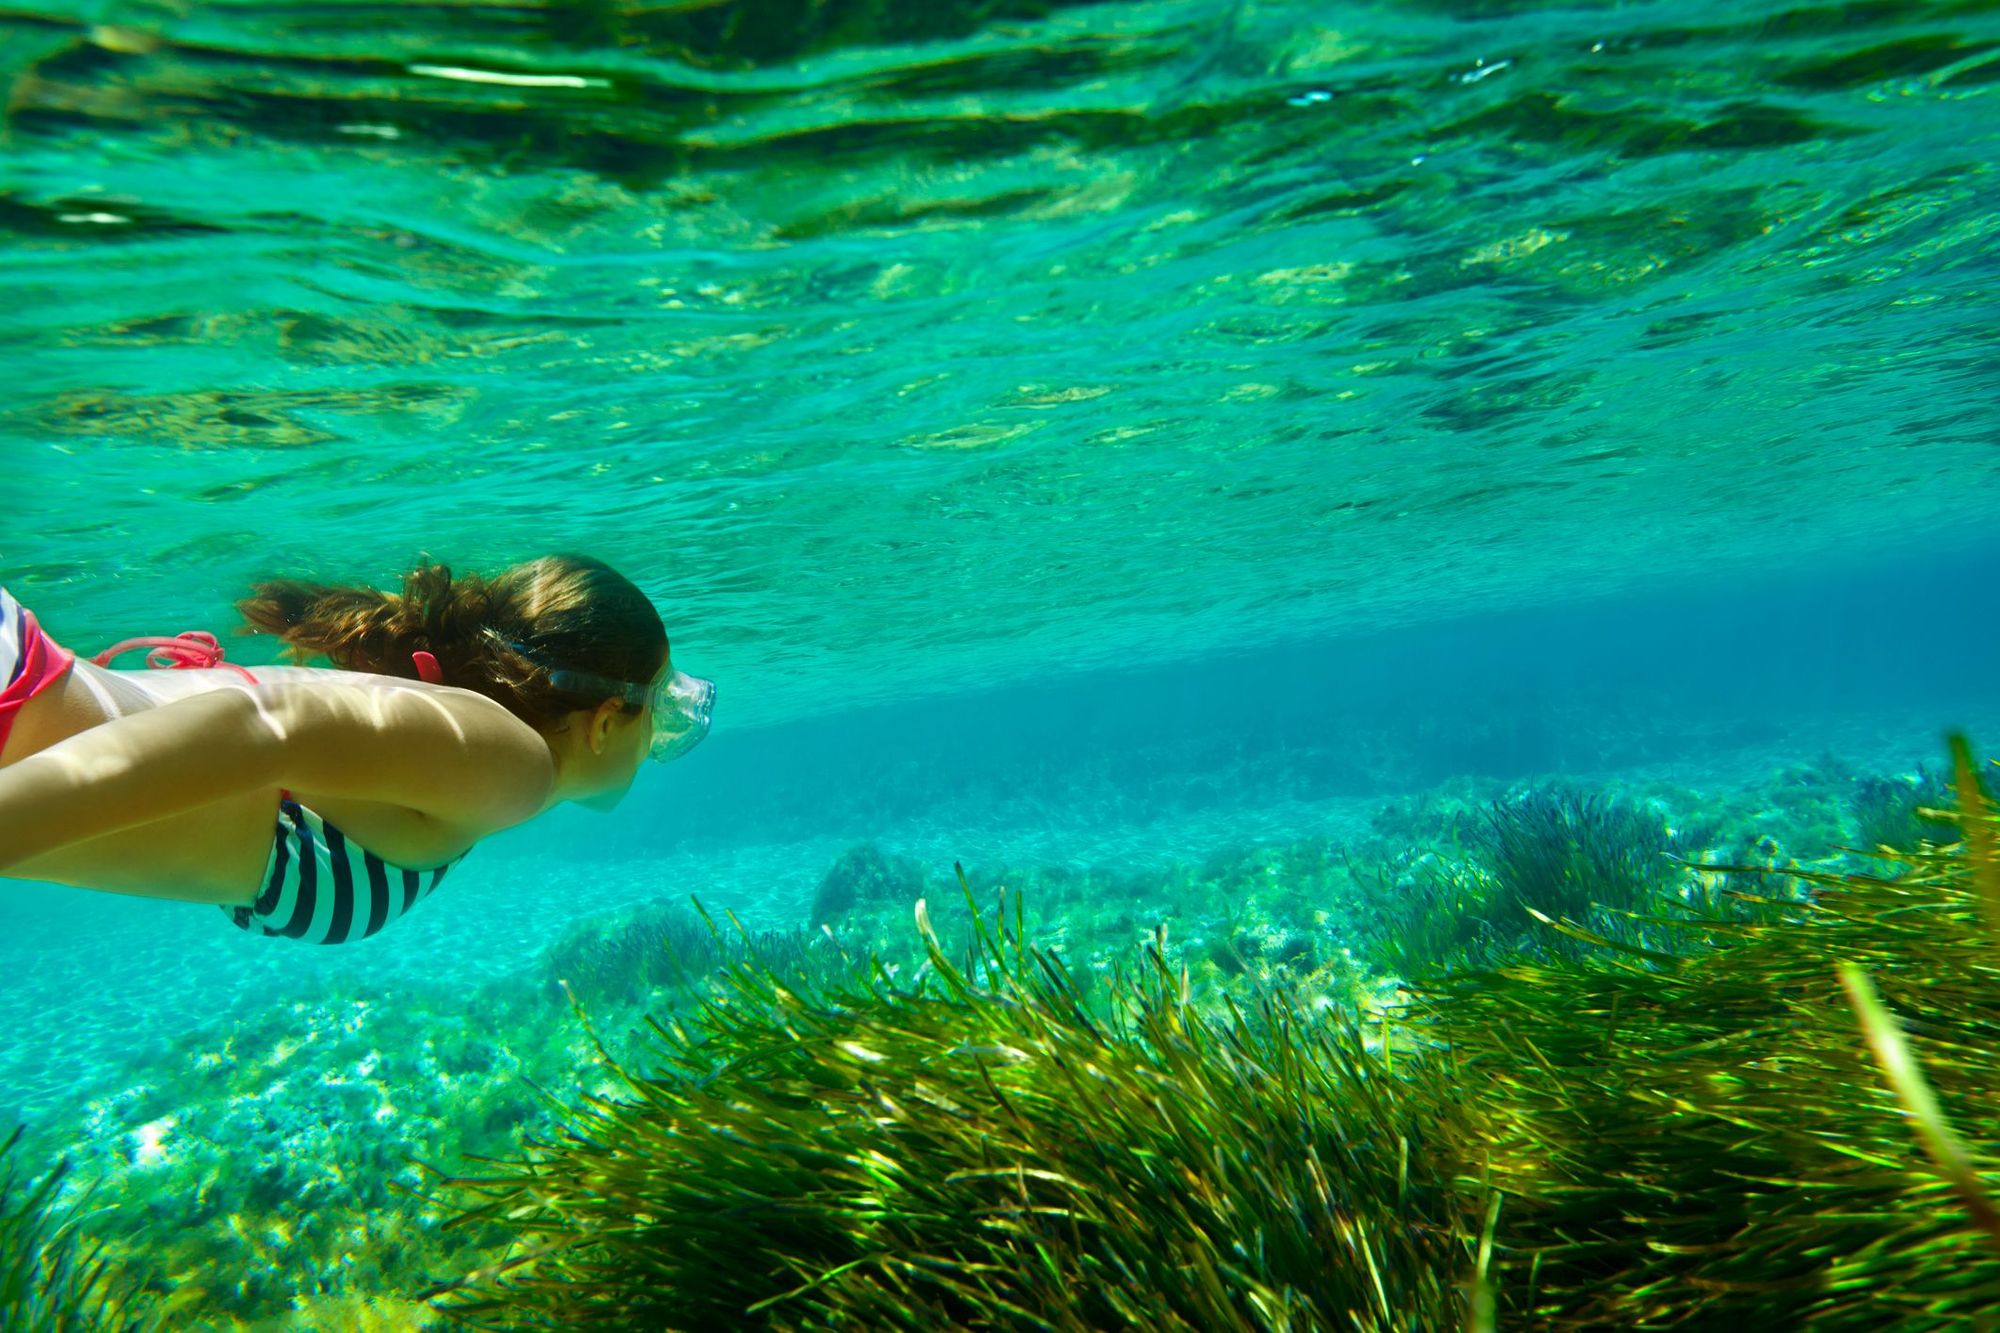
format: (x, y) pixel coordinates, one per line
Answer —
(12, 660)
(323, 889)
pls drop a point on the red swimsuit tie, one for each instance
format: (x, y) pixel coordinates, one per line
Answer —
(194, 649)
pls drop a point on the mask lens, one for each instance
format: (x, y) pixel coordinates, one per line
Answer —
(681, 708)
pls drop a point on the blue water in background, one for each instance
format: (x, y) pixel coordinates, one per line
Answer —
(1135, 770)
(1070, 434)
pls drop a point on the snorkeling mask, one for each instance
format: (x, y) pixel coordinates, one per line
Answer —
(681, 704)
(681, 708)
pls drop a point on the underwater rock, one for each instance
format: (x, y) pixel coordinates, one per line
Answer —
(624, 956)
(1564, 851)
(866, 876)
(1886, 810)
(1231, 955)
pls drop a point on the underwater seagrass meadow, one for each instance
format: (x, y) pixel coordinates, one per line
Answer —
(1358, 657)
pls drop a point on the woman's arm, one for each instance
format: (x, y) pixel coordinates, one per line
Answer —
(451, 754)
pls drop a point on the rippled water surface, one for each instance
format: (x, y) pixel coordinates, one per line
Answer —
(1368, 407)
(956, 339)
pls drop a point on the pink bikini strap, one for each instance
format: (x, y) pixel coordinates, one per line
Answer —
(193, 648)
(197, 648)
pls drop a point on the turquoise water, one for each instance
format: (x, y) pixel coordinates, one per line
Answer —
(1072, 434)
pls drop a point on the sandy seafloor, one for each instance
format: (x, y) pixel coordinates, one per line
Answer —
(96, 984)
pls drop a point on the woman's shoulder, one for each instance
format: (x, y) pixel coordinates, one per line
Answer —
(453, 754)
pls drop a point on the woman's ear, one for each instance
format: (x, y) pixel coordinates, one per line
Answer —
(601, 722)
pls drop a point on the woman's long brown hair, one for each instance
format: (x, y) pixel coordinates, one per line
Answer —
(501, 636)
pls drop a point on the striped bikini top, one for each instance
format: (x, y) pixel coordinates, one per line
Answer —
(321, 888)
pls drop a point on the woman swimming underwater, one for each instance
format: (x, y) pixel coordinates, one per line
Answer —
(457, 709)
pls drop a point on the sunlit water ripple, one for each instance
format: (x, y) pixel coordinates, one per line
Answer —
(968, 339)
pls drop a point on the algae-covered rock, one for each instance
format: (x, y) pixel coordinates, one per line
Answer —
(1888, 811)
(624, 956)
(865, 876)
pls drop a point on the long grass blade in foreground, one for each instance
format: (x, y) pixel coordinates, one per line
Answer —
(1982, 840)
(1900, 1068)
